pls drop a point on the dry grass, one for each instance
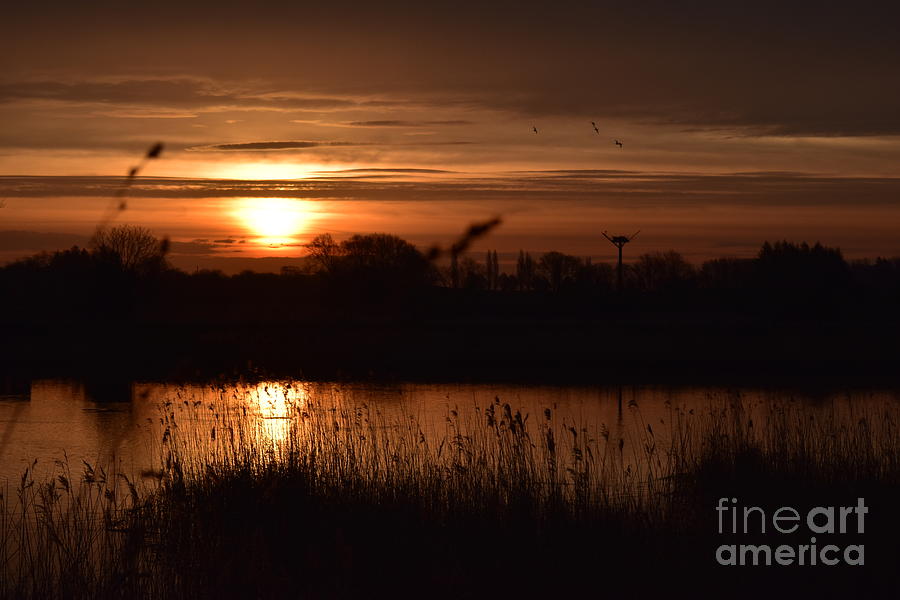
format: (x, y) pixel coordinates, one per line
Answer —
(331, 500)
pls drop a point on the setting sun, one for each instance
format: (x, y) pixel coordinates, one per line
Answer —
(281, 284)
(274, 220)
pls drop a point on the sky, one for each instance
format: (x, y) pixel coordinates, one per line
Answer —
(739, 122)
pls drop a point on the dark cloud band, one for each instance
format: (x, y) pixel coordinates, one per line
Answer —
(400, 123)
(632, 189)
(256, 146)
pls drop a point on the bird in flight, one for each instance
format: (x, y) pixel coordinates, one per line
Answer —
(535, 129)
(595, 127)
(619, 144)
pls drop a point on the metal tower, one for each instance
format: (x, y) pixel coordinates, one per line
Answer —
(618, 241)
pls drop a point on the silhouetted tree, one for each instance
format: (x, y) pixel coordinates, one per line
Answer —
(133, 249)
(662, 271)
(789, 266)
(472, 275)
(525, 271)
(372, 263)
(881, 277)
(560, 270)
(796, 277)
(726, 273)
(595, 277)
(492, 269)
(324, 252)
(382, 252)
(507, 282)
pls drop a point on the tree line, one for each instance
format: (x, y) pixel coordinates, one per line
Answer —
(127, 266)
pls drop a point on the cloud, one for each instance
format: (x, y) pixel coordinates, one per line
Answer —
(763, 102)
(193, 248)
(786, 68)
(145, 113)
(628, 189)
(753, 95)
(385, 170)
(32, 241)
(171, 96)
(25, 242)
(257, 146)
(306, 145)
(398, 123)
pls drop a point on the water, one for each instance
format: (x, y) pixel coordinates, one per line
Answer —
(121, 426)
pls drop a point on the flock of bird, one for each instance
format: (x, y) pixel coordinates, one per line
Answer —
(596, 129)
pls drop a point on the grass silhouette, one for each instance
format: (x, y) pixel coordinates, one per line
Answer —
(119, 203)
(348, 501)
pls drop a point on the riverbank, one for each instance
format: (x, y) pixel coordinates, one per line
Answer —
(659, 347)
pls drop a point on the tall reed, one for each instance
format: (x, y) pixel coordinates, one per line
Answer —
(247, 486)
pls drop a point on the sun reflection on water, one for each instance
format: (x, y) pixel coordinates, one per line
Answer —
(277, 405)
(235, 422)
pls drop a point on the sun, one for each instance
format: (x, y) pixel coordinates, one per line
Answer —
(275, 221)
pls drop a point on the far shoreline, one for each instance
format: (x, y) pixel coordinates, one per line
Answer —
(553, 352)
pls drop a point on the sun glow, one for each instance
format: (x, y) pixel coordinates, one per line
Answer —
(277, 407)
(275, 221)
(260, 171)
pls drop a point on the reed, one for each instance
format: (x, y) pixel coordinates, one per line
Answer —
(326, 499)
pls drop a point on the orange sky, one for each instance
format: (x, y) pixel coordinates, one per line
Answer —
(738, 123)
(223, 223)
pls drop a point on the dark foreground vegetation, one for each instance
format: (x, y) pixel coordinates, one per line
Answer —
(349, 504)
(374, 305)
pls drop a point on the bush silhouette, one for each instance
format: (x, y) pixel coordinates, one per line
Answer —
(800, 275)
(378, 264)
(560, 270)
(662, 271)
(133, 249)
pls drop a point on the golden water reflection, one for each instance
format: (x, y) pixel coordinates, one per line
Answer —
(277, 405)
(129, 427)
